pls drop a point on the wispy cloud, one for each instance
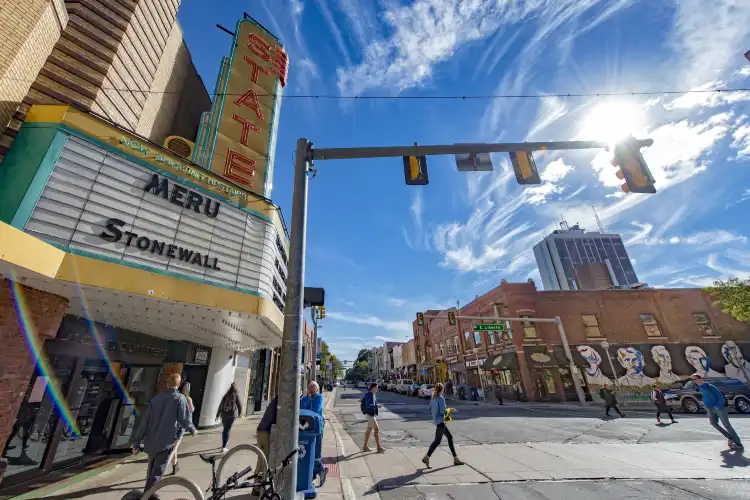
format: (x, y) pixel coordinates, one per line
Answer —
(335, 30)
(702, 238)
(392, 325)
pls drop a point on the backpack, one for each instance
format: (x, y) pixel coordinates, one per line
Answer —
(363, 404)
(227, 406)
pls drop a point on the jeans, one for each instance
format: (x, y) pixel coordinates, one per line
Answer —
(669, 412)
(716, 414)
(157, 464)
(607, 407)
(440, 430)
(227, 422)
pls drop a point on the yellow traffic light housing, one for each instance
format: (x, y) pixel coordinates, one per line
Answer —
(322, 311)
(420, 319)
(451, 318)
(524, 167)
(415, 170)
(633, 169)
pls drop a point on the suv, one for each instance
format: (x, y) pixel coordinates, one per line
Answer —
(413, 389)
(685, 394)
(402, 386)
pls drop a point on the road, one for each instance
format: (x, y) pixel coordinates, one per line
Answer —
(526, 450)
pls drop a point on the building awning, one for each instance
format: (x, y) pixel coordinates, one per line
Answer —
(457, 367)
(541, 359)
(562, 359)
(507, 361)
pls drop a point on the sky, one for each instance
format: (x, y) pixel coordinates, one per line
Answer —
(383, 250)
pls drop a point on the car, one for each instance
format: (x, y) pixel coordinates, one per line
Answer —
(403, 386)
(425, 391)
(414, 389)
(337, 384)
(362, 384)
(686, 396)
(389, 386)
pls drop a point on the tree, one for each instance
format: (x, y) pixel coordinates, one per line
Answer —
(360, 371)
(364, 355)
(732, 296)
(326, 358)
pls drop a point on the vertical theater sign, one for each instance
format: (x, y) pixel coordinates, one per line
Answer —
(237, 138)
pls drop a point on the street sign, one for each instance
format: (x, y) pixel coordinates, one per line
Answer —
(474, 162)
(489, 328)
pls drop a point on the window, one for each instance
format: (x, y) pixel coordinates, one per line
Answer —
(529, 330)
(477, 338)
(491, 338)
(704, 324)
(467, 339)
(592, 326)
(282, 251)
(650, 325)
(442, 348)
(456, 349)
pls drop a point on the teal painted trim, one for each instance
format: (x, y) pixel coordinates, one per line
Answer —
(212, 148)
(112, 260)
(213, 127)
(271, 146)
(34, 192)
(163, 172)
(20, 166)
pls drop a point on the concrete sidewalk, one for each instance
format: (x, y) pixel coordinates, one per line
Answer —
(366, 474)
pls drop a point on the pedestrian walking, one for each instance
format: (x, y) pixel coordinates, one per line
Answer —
(517, 388)
(370, 406)
(158, 427)
(440, 414)
(610, 400)
(499, 394)
(657, 396)
(229, 409)
(313, 400)
(716, 407)
(185, 391)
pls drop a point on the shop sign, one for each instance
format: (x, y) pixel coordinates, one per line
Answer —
(451, 359)
(201, 356)
(475, 362)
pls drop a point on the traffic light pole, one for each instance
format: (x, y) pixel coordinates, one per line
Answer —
(314, 371)
(288, 415)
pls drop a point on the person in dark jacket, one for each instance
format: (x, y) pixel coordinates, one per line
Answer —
(610, 400)
(229, 409)
(158, 428)
(371, 407)
(716, 408)
(657, 396)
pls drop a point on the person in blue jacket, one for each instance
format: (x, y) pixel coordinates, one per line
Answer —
(438, 410)
(370, 408)
(716, 407)
(313, 400)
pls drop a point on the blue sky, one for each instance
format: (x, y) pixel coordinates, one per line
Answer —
(384, 251)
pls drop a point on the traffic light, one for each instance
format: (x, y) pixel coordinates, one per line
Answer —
(420, 319)
(451, 318)
(322, 311)
(633, 169)
(415, 170)
(525, 167)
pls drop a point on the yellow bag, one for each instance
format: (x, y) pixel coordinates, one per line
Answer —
(447, 417)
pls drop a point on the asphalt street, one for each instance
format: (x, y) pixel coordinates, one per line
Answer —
(405, 421)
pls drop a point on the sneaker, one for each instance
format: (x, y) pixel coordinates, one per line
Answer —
(381, 450)
(224, 450)
(426, 461)
(674, 421)
(736, 446)
(658, 421)
(457, 461)
(366, 448)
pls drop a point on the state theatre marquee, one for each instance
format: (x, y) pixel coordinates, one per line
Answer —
(99, 203)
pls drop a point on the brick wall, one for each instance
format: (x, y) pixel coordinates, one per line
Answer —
(16, 365)
(28, 31)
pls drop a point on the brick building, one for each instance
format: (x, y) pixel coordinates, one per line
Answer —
(654, 335)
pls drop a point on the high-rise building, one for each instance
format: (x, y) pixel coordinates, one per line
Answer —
(573, 259)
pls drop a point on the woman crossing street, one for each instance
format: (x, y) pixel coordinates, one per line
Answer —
(439, 413)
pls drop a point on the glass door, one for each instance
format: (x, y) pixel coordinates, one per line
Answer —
(141, 387)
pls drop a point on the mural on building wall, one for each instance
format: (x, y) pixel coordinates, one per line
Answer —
(638, 367)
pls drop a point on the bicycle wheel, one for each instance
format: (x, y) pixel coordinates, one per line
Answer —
(270, 495)
(187, 489)
(262, 468)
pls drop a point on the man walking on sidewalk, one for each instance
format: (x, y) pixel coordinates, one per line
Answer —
(159, 426)
(370, 408)
(610, 400)
(716, 407)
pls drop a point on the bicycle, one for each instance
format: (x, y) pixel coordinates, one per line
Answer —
(264, 480)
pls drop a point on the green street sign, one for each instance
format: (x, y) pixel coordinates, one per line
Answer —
(489, 328)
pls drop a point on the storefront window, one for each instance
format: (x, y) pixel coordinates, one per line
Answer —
(142, 387)
(37, 418)
(467, 338)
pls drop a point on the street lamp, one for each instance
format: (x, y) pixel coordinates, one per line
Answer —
(475, 351)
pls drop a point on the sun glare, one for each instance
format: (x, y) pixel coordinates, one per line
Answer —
(612, 121)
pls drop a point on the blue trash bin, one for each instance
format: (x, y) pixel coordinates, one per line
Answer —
(309, 456)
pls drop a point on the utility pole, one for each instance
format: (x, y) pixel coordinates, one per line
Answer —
(314, 371)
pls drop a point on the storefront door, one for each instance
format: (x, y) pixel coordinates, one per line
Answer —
(141, 388)
(541, 391)
(196, 375)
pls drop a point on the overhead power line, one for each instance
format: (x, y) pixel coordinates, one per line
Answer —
(438, 97)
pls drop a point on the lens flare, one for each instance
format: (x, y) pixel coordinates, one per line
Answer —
(35, 345)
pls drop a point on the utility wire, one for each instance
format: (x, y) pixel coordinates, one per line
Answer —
(434, 97)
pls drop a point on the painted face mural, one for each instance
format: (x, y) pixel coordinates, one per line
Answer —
(632, 360)
(594, 375)
(737, 366)
(663, 359)
(698, 360)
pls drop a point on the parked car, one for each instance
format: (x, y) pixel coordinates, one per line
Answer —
(403, 386)
(414, 389)
(362, 384)
(686, 396)
(426, 391)
(391, 386)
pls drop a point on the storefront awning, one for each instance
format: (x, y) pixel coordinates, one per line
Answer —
(541, 359)
(507, 361)
(562, 359)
